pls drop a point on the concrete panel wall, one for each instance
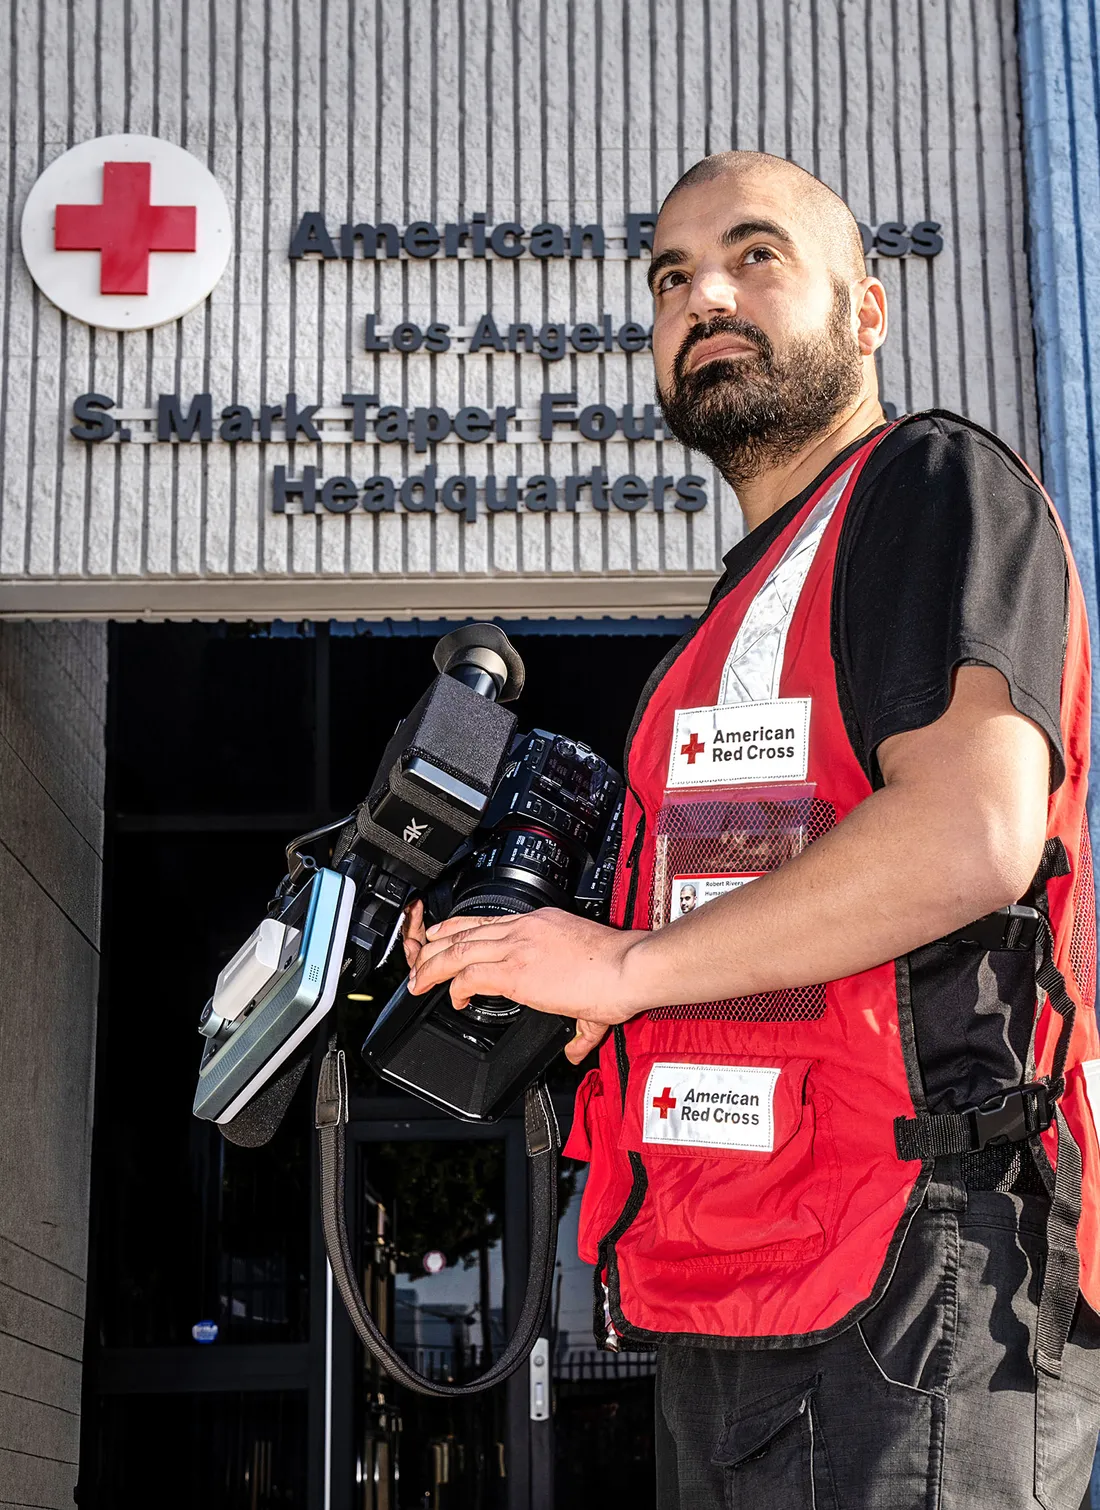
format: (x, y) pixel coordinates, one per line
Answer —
(52, 705)
(399, 110)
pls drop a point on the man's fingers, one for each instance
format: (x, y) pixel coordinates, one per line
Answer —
(413, 936)
(412, 921)
(442, 962)
(589, 1035)
(478, 980)
(458, 925)
(458, 942)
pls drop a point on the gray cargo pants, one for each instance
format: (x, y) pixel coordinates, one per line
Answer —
(931, 1402)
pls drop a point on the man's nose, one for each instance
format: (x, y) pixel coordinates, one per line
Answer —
(712, 293)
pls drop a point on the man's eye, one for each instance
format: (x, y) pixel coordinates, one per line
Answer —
(760, 253)
(669, 280)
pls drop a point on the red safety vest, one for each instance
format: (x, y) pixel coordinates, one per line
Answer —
(746, 1181)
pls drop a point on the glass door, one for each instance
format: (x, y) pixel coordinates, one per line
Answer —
(214, 1337)
(602, 1402)
(440, 1227)
(435, 1239)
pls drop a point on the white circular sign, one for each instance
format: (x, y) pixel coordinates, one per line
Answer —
(126, 232)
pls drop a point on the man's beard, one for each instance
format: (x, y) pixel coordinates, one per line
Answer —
(749, 413)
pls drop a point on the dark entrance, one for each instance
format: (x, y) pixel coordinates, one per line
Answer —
(224, 741)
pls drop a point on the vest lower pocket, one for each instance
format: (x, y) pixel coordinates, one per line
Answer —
(739, 1166)
(594, 1137)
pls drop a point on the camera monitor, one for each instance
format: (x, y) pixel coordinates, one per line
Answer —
(293, 967)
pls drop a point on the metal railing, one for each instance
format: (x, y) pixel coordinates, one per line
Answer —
(452, 1365)
(590, 1363)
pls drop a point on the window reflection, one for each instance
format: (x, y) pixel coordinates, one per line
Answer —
(221, 1451)
(430, 1219)
(603, 1402)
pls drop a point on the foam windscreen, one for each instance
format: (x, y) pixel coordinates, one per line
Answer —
(257, 1123)
(457, 730)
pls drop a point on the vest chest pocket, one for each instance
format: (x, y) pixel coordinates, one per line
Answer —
(710, 843)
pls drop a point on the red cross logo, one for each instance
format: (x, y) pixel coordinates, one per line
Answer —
(125, 228)
(665, 1102)
(695, 746)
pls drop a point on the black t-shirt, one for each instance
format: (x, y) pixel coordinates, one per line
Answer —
(948, 556)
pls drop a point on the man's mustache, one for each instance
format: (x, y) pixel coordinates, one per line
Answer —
(721, 325)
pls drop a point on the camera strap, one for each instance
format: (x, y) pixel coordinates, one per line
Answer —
(543, 1142)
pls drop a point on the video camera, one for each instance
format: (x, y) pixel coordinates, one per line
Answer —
(475, 819)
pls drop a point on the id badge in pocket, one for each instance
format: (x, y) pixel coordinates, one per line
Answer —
(710, 843)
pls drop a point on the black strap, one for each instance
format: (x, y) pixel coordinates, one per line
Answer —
(541, 1128)
(1012, 927)
(1053, 982)
(1062, 1278)
(1017, 1116)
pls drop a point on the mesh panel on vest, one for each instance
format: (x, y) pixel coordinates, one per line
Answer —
(714, 838)
(1082, 943)
(1082, 939)
(801, 1005)
(1009, 1168)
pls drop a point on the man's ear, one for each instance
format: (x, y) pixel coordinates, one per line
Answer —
(869, 313)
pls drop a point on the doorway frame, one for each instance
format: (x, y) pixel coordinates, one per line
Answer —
(386, 1119)
(320, 1368)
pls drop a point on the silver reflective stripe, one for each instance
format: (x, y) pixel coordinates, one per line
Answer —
(755, 662)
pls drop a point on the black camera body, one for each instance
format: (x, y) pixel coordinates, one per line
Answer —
(549, 838)
(477, 820)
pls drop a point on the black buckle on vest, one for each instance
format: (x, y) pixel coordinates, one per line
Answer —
(1013, 1117)
(1015, 927)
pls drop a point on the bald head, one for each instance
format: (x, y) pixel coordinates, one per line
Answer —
(766, 321)
(822, 215)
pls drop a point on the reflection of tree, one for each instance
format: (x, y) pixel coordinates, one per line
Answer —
(448, 1196)
(444, 1195)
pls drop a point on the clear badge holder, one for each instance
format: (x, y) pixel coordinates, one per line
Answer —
(709, 843)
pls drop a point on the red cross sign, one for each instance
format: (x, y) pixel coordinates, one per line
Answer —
(125, 228)
(665, 1102)
(126, 232)
(695, 746)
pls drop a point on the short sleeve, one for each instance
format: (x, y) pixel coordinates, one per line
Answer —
(948, 556)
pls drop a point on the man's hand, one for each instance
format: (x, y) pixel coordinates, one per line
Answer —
(413, 933)
(548, 960)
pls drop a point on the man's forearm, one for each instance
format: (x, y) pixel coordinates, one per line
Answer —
(894, 875)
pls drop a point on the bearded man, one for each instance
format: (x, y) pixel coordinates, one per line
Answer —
(844, 1164)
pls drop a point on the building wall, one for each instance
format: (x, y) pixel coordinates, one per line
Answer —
(52, 705)
(1061, 98)
(406, 109)
(1061, 103)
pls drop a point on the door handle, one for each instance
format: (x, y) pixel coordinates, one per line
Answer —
(539, 1367)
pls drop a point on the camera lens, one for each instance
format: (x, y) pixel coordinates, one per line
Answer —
(210, 1024)
(493, 1009)
(542, 828)
(492, 898)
